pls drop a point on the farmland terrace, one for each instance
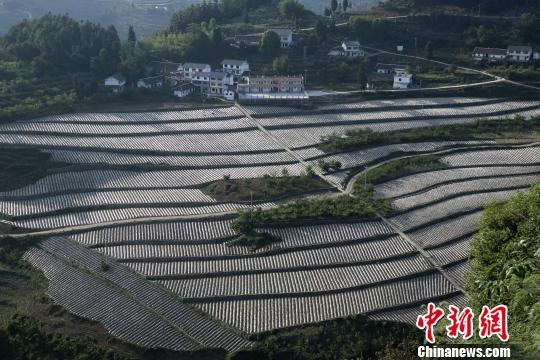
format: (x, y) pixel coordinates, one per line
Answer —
(128, 229)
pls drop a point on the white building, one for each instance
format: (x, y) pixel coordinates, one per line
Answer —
(385, 69)
(116, 83)
(229, 92)
(285, 37)
(348, 49)
(202, 81)
(150, 82)
(519, 53)
(402, 80)
(219, 82)
(235, 67)
(489, 54)
(272, 88)
(183, 90)
(190, 69)
(351, 49)
(213, 83)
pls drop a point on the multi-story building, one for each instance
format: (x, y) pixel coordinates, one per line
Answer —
(519, 53)
(272, 87)
(219, 82)
(351, 49)
(213, 83)
(190, 69)
(235, 67)
(285, 37)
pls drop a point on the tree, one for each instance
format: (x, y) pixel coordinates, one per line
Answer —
(362, 76)
(217, 37)
(529, 28)
(429, 50)
(333, 5)
(505, 265)
(321, 30)
(281, 64)
(343, 71)
(345, 5)
(291, 9)
(132, 38)
(312, 44)
(270, 43)
(327, 12)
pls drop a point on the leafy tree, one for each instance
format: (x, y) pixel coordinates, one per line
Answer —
(321, 30)
(362, 76)
(270, 43)
(506, 266)
(345, 5)
(528, 28)
(291, 9)
(333, 5)
(281, 64)
(343, 71)
(58, 44)
(132, 38)
(312, 44)
(429, 50)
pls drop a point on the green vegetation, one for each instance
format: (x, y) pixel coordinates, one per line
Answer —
(506, 267)
(402, 167)
(364, 205)
(327, 166)
(25, 338)
(22, 167)
(264, 188)
(51, 63)
(517, 128)
(350, 338)
(487, 6)
(255, 240)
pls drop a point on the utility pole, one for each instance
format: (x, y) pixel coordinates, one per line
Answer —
(251, 207)
(365, 176)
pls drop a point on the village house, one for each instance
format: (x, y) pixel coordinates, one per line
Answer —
(165, 68)
(151, 82)
(183, 90)
(219, 82)
(116, 83)
(248, 39)
(190, 69)
(235, 67)
(519, 53)
(386, 69)
(402, 80)
(352, 49)
(348, 49)
(202, 81)
(488, 54)
(213, 83)
(285, 37)
(272, 88)
(230, 92)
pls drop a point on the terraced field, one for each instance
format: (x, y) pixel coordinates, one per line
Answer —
(135, 180)
(355, 262)
(440, 210)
